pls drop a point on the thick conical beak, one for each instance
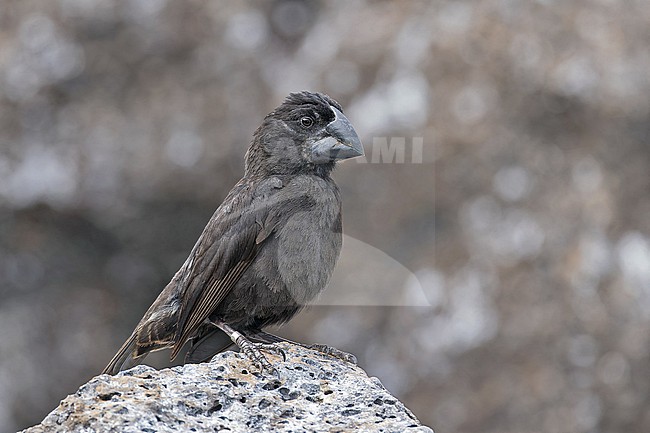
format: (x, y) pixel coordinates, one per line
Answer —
(341, 141)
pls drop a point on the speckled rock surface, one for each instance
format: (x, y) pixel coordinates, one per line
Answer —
(315, 393)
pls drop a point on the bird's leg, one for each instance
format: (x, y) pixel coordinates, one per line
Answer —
(250, 349)
(270, 339)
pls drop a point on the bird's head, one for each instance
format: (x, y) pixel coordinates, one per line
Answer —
(307, 132)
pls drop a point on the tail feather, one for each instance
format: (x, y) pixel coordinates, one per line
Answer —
(125, 358)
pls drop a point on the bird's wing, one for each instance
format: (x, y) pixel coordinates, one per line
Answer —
(225, 249)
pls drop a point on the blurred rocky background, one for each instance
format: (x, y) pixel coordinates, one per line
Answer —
(520, 212)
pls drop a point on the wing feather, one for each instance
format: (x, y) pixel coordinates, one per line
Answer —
(208, 300)
(224, 251)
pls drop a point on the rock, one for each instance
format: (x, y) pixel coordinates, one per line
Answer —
(314, 392)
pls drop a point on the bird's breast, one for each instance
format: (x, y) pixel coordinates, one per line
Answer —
(307, 251)
(306, 246)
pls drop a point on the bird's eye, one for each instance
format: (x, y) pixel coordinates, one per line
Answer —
(306, 122)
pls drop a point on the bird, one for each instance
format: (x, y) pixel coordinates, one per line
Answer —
(268, 249)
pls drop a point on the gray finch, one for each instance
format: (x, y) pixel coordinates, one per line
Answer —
(267, 251)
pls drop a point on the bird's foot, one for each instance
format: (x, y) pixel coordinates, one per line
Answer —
(322, 348)
(331, 351)
(252, 349)
(254, 352)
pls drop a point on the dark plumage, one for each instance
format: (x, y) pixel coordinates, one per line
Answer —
(268, 249)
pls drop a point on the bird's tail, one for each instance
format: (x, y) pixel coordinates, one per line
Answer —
(205, 347)
(125, 357)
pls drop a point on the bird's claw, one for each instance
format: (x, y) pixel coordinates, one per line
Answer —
(253, 351)
(273, 348)
(345, 356)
